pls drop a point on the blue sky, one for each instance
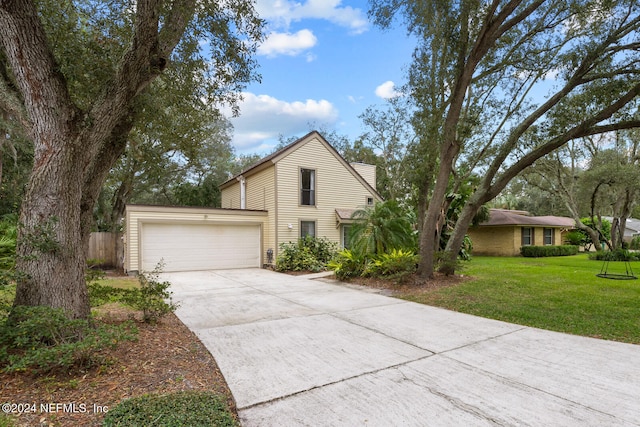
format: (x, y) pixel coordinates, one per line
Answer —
(322, 62)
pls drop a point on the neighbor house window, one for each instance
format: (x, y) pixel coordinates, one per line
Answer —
(527, 236)
(548, 236)
(307, 187)
(307, 228)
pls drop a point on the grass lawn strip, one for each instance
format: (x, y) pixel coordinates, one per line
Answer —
(558, 293)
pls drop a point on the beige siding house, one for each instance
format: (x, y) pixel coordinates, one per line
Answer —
(306, 188)
(507, 231)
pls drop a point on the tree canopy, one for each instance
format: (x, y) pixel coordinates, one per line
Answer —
(77, 77)
(500, 84)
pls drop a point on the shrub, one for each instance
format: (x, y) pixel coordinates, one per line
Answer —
(44, 338)
(575, 238)
(307, 254)
(616, 255)
(380, 228)
(153, 297)
(347, 264)
(186, 408)
(547, 251)
(635, 243)
(396, 264)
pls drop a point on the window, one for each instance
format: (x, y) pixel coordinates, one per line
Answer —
(527, 236)
(307, 228)
(307, 187)
(369, 201)
(346, 242)
(548, 236)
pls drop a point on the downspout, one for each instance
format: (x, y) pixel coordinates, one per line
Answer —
(243, 192)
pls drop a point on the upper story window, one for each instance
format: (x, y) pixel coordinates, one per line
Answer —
(307, 187)
(369, 201)
(548, 236)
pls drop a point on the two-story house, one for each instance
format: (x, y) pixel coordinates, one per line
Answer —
(306, 188)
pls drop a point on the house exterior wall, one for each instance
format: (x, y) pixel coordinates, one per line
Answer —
(368, 172)
(507, 240)
(230, 197)
(137, 215)
(336, 187)
(495, 241)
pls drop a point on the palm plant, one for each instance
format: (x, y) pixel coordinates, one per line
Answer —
(380, 228)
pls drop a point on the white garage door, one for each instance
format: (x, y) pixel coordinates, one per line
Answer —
(185, 247)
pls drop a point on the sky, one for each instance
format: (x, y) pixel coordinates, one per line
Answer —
(322, 64)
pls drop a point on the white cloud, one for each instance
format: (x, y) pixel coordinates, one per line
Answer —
(282, 12)
(287, 44)
(264, 117)
(387, 90)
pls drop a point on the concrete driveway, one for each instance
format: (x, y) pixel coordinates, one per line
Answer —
(303, 352)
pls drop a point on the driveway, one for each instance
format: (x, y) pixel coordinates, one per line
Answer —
(303, 352)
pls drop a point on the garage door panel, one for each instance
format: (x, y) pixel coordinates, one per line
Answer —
(185, 247)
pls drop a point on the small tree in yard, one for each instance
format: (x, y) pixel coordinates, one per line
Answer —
(75, 76)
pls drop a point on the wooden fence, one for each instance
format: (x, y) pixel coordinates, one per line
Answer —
(105, 247)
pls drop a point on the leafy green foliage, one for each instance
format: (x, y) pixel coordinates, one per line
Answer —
(6, 421)
(347, 264)
(8, 238)
(153, 297)
(381, 228)
(615, 255)
(42, 339)
(547, 251)
(635, 243)
(396, 264)
(185, 408)
(307, 254)
(603, 228)
(576, 238)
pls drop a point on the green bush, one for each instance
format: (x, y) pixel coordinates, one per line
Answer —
(547, 251)
(575, 238)
(635, 243)
(153, 297)
(347, 264)
(43, 338)
(396, 264)
(616, 255)
(8, 238)
(307, 254)
(187, 408)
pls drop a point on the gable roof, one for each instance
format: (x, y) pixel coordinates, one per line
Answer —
(273, 158)
(504, 217)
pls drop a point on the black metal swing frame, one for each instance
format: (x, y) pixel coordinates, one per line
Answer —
(628, 274)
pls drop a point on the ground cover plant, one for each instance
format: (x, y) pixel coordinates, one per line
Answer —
(104, 369)
(556, 293)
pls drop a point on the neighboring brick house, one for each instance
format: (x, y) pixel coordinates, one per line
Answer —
(507, 231)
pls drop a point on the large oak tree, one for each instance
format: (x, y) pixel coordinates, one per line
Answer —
(76, 74)
(502, 83)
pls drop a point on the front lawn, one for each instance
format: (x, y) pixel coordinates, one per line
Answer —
(559, 293)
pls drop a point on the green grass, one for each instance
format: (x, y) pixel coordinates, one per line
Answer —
(559, 293)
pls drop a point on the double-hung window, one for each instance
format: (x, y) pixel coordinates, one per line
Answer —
(527, 236)
(307, 228)
(307, 187)
(548, 236)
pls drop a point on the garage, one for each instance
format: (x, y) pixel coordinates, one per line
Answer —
(186, 247)
(190, 239)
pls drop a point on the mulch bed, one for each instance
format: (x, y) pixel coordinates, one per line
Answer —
(166, 358)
